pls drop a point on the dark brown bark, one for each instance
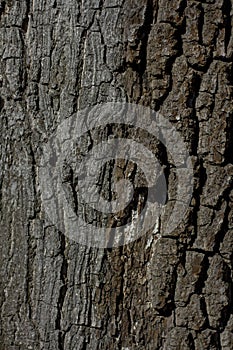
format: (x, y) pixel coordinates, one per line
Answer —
(58, 57)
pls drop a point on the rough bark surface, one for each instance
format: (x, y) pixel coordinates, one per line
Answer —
(58, 57)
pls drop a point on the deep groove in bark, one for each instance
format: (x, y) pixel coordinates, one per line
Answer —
(227, 7)
(63, 290)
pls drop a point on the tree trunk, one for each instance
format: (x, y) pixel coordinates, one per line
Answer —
(160, 291)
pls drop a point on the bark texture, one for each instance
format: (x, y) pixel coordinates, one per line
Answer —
(58, 57)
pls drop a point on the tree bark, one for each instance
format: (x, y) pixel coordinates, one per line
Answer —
(58, 57)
